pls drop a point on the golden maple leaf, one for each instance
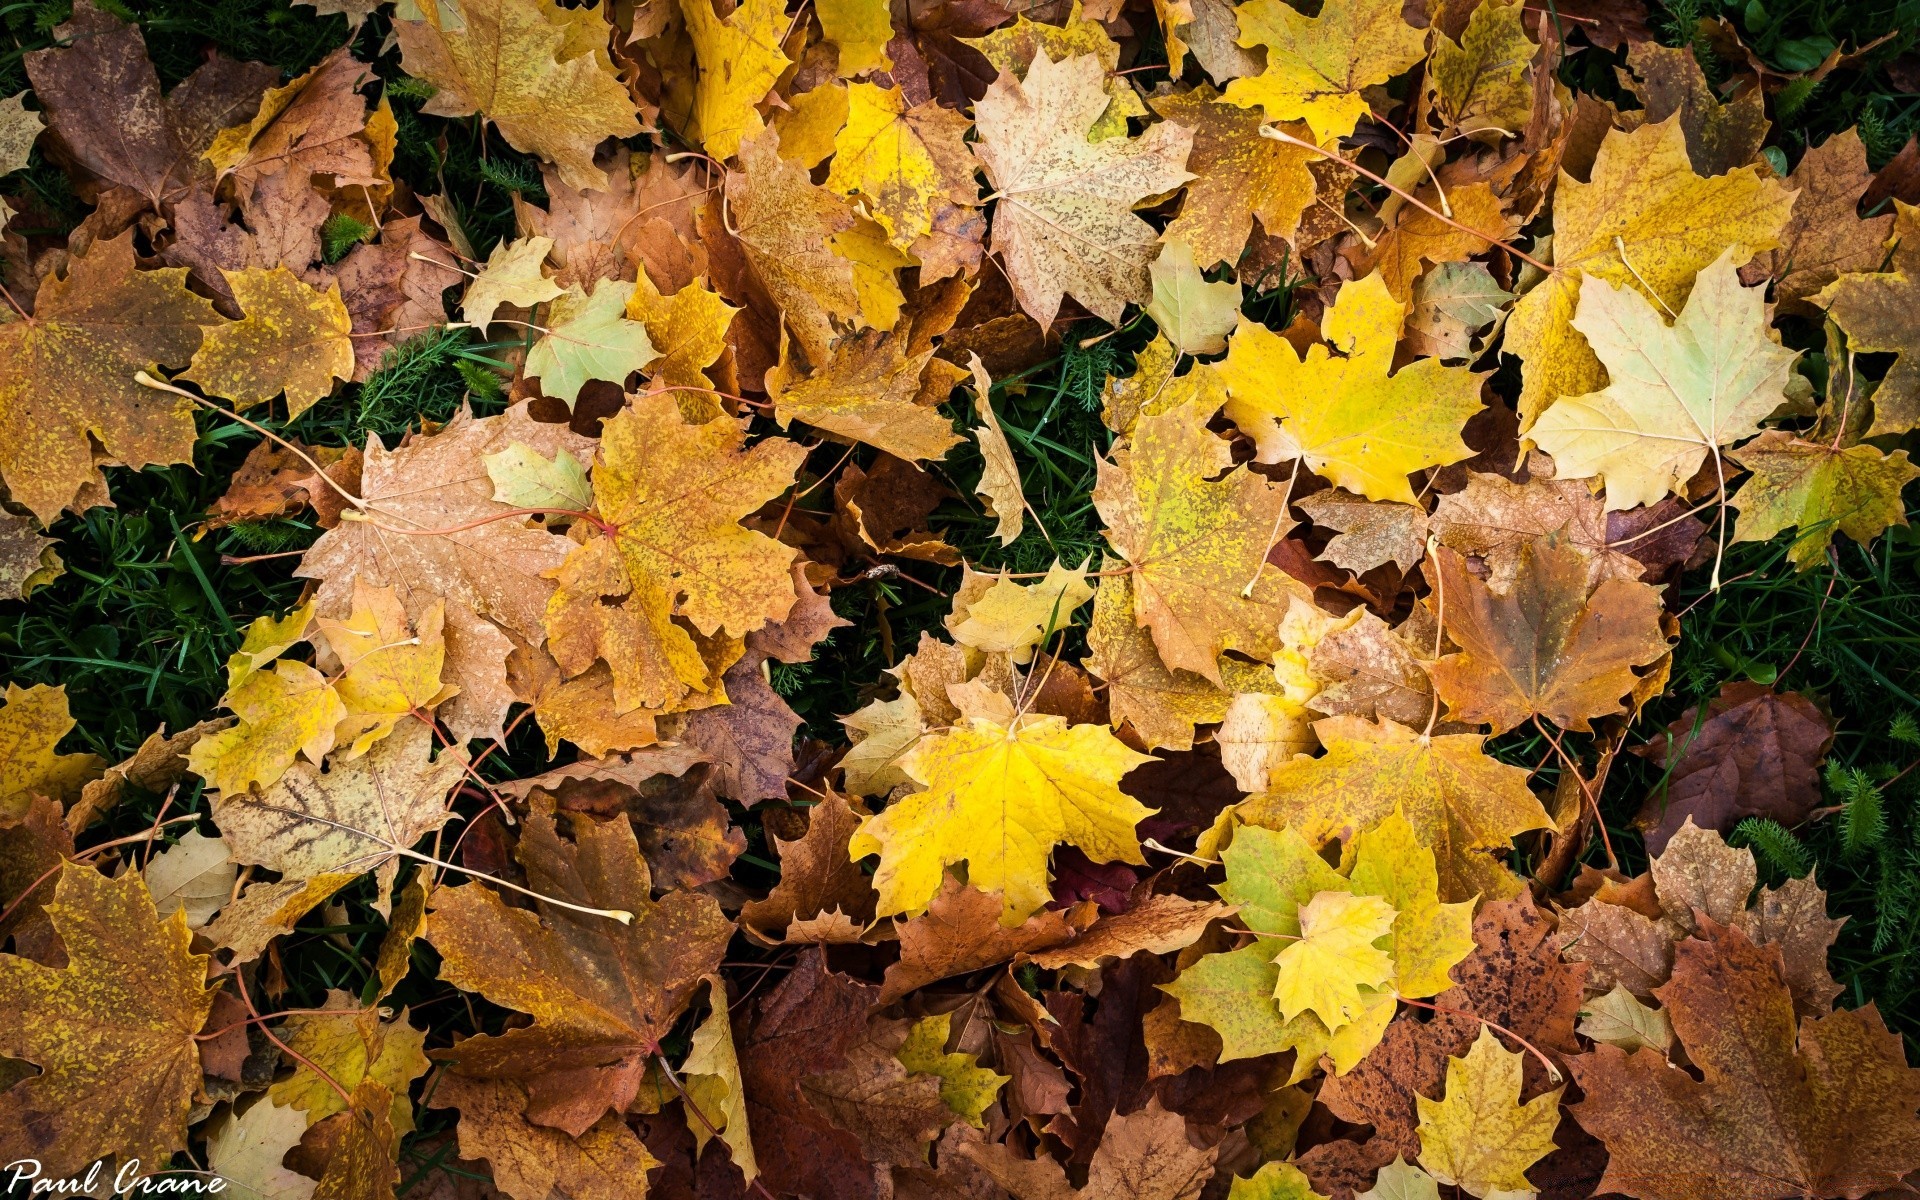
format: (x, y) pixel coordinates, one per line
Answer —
(908, 163)
(1821, 489)
(1063, 222)
(1461, 803)
(999, 797)
(1317, 66)
(291, 338)
(867, 390)
(1479, 1136)
(739, 60)
(66, 375)
(673, 494)
(1238, 175)
(1347, 418)
(1197, 544)
(538, 71)
(32, 722)
(112, 1032)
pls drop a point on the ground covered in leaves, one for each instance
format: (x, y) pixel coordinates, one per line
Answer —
(960, 599)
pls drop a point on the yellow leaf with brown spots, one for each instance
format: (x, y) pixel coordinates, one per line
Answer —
(66, 376)
(688, 329)
(1012, 48)
(861, 29)
(1481, 82)
(292, 338)
(907, 163)
(675, 494)
(739, 58)
(786, 227)
(1197, 544)
(391, 666)
(112, 1033)
(866, 391)
(289, 711)
(32, 722)
(1478, 1135)
(1238, 175)
(539, 72)
(1419, 239)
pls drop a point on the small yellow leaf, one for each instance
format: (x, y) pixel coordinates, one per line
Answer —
(1014, 618)
(861, 29)
(688, 330)
(1480, 1137)
(32, 722)
(512, 275)
(292, 339)
(1195, 315)
(1335, 957)
(740, 57)
(1317, 66)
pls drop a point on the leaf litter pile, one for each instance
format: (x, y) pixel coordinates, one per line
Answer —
(1153, 830)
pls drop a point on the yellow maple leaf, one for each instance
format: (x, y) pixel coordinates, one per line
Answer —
(286, 712)
(67, 376)
(1346, 417)
(787, 228)
(1009, 617)
(1317, 66)
(1481, 81)
(589, 337)
(1239, 175)
(1195, 315)
(513, 275)
(1480, 1137)
(1012, 48)
(1646, 221)
(391, 666)
(1197, 544)
(999, 797)
(1461, 804)
(740, 58)
(905, 161)
(1678, 392)
(688, 329)
(1334, 958)
(539, 72)
(674, 494)
(291, 338)
(861, 29)
(867, 391)
(32, 722)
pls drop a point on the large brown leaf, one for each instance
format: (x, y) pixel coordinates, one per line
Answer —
(1827, 1110)
(602, 994)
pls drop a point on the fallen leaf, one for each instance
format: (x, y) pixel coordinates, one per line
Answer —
(33, 720)
(1317, 66)
(1678, 393)
(1238, 175)
(512, 275)
(589, 337)
(962, 931)
(538, 72)
(1825, 236)
(1820, 489)
(530, 1161)
(867, 391)
(1142, 1156)
(1195, 315)
(1347, 418)
(1370, 533)
(1063, 223)
(740, 57)
(192, 876)
(1479, 1136)
(1829, 1111)
(119, 1063)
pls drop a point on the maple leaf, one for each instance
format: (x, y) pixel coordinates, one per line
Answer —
(349, 1051)
(193, 876)
(1829, 1112)
(1317, 66)
(32, 722)
(66, 375)
(1677, 393)
(1012, 49)
(1347, 418)
(674, 494)
(539, 72)
(589, 337)
(112, 1032)
(530, 1161)
(1332, 965)
(716, 1094)
(866, 391)
(1371, 670)
(739, 58)
(1460, 802)
(861, 30)
(1238, 175)
(101, 96)
(1141, 1156)
(513, 275)
(27, 560)
(316, 124)
(487, 571)
(1874, 310)
(1197, 544)
(787, 229)
(525, 478)
(347, 819)
(1645, 220)
(688, 330)
(909, 163)
(1547, 646)
(286, 711)
(246, 1149)
(1158, 924)
(1000, 616)
(1720, 136)
(816, 876)
(1371, 534)
(601, 994)
(999, 797)
(1820, 489)
(1451, 303)
(363, 1164)
(1417, 237)
(1493, 519)
(292, 338)
(1481, 81)
(965, 1087)
(1824, 237)
(1062, 223)
(1479, 1136)
(1751, 751)
(1195, 315)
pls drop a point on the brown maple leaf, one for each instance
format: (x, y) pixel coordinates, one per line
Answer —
(817, 882)
(1143, 1156)
(1546, 647)
(602, 994)
(1750, 752)
(1824, 1110)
